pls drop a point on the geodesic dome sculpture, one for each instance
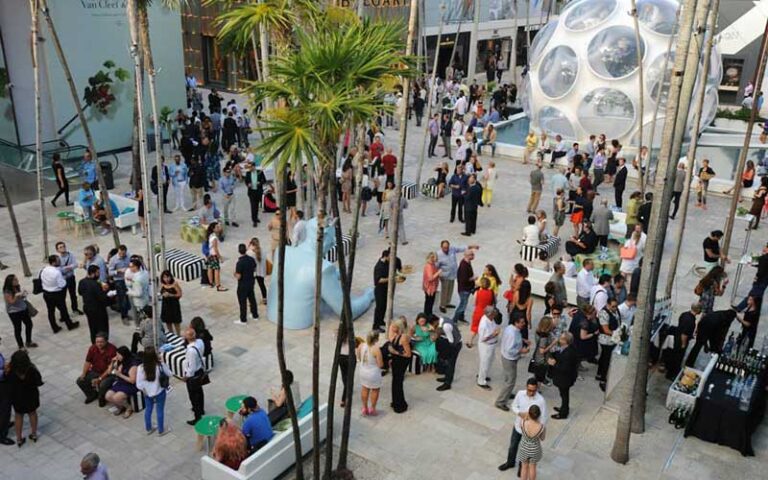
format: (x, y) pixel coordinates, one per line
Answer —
(583, 76)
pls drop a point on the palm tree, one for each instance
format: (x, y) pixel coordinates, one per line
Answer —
(81, 115)
(641, 94)
(637, 370)
(327, 78)
(34, 9)
(15, 225)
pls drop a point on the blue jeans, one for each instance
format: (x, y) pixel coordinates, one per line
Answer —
(158, 400)
(123, 304)
(463, 299)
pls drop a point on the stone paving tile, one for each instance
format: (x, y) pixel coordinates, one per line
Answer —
(456, 434)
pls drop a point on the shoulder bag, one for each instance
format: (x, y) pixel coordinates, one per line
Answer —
(201, 376)
(628, 252)
(37, 284)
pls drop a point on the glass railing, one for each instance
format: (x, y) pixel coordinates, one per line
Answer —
(23, 157)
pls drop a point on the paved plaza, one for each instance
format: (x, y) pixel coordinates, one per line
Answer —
(456, 434)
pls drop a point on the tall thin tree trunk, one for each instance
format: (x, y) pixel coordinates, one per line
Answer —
(394, 217)
(432, 94)
(513, 60)
(641, 94)
(691, 155)
(637, 367)
(319, 257)
(657, 108)
(666, 166)
(34, 9)
(345, 325)
(281, 171)
(15, 226)
(132, 12)
(81, 116)
(149, 66)
(757, 81)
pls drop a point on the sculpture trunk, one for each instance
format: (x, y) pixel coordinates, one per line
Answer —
(322, 203)
(34, 9)
(15, 225)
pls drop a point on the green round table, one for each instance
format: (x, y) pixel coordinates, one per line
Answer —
(609, 265)
(233, 404)
(207, 427)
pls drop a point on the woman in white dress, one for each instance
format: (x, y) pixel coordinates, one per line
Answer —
(488, 333)
(630, 255)
(370, 365)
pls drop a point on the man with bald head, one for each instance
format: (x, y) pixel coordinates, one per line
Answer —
(193, 369)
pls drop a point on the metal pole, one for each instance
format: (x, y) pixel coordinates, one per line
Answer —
(149, 263)
(473, 42)
(757, 81)
(432, 94)
(691, 155)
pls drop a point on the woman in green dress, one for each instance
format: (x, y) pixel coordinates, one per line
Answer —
(423, 342)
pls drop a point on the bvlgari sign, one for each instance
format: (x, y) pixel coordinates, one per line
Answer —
(104, 8)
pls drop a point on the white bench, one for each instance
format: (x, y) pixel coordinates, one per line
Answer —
(124, 220)
(539, 278)
(272, 459)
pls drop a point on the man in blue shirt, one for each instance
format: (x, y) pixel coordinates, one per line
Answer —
(179, 174)
(256, 426)
(458, 185)
(227, 184)
(88, 169)
(86, 199)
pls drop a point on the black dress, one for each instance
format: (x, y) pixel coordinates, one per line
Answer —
(171, 308)
(25, 391)
(587, 348)
(611, 165)
(399, 366)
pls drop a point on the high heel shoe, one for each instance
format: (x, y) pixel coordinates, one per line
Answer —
(21, 442)
(33, 437)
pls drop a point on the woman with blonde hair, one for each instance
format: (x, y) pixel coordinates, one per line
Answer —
(430, 282)
(544, 344)
(371, 361)
(400, 357)
(489, 182)
(254, 251)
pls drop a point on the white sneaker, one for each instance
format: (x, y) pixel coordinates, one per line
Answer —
(238, 322)
(255, 318)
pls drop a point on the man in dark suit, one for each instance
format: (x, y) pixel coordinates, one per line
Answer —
(473, 199)
(166, 179)
(230, 133)
(563, 368)
(620, 182)
(644, 212)
(95, 302)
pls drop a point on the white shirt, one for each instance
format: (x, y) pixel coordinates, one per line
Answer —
(598, 297)
(486, 328)
(461, 153)
(458, 129)
(522, 403)
(511, 343)
(52, 279)
(153, 388)
(627, 313)
(531, 235)
(193, 359)
(461, 106)
(584, 283)
(299, 233)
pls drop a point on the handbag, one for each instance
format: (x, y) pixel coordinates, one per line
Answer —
(269, 268)
(31, 309)
(37, 284)
(628, 253)
(705, 176)
(164, 379)
(532, 367)
(201, 377)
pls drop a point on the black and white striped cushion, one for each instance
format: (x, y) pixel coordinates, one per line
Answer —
(183, 265)
(409, 190)
(429, 190)
(174, 357)
(346, 240)
(549, 247)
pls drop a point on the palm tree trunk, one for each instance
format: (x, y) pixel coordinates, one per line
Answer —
(513, 60)
(757, 81)
(81, 116)
(280, 340)
(15, 225)
(319, 257)
(641, 93)
(132, 12)
(680, 96)
(659, 88)
(149, 66)
(432, 94)
(345, 325)
(691, 155)
(394, 218)
(34, 9)
(637, 368)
